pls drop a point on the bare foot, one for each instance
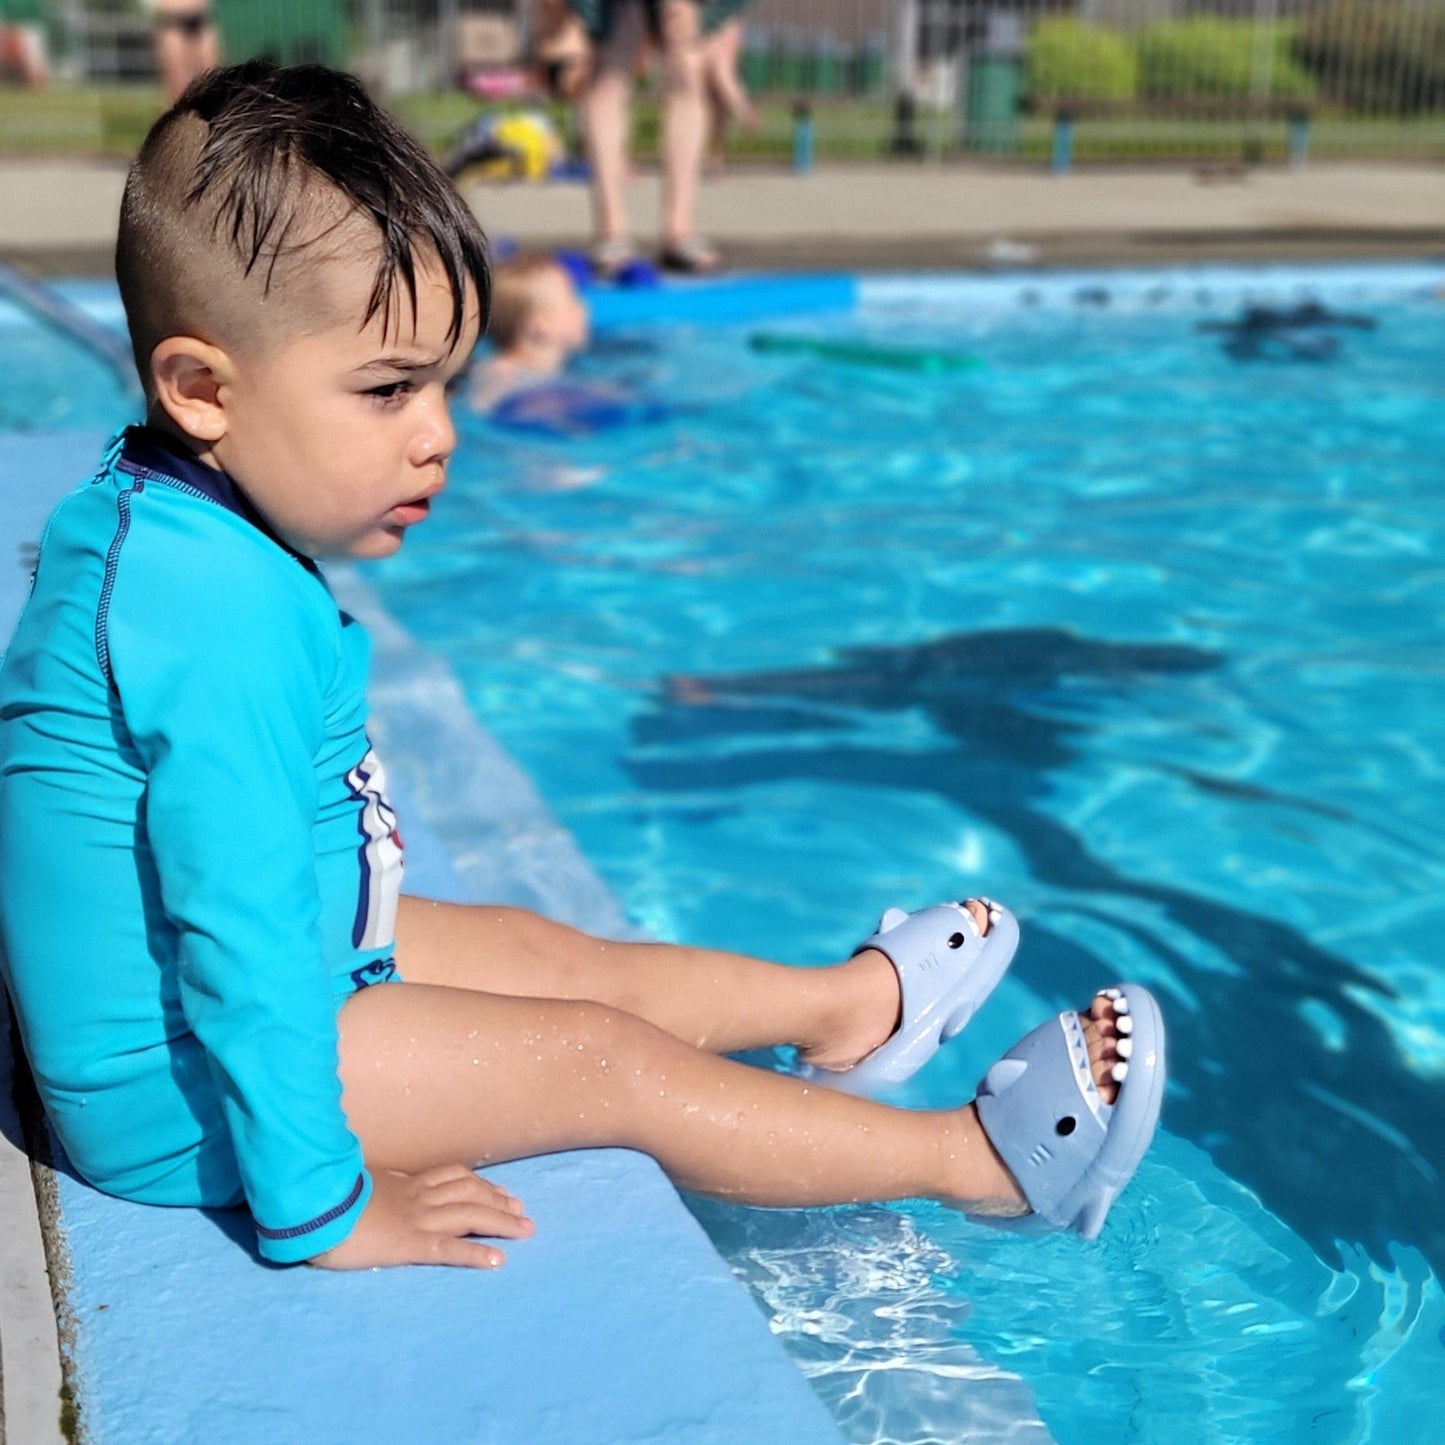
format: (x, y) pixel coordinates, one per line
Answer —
(990, 1188)
(870, 1005)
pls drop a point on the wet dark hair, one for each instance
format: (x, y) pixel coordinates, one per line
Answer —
(280, 147)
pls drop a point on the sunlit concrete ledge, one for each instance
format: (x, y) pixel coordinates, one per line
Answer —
(617, 1322)
(60, 215)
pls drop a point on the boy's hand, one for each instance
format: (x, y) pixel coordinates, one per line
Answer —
(426, 1218)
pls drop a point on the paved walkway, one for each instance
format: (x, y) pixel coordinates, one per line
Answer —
(62, 215)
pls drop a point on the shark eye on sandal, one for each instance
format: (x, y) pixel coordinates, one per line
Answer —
(955, 940)
(1066, 1125)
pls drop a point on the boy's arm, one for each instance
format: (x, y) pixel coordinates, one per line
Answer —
(220, 661)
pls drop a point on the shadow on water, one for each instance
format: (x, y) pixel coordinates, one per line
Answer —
(1337, 1136)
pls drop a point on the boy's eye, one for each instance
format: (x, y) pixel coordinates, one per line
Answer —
(391, 391)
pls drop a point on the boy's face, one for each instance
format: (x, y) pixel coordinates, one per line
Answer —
(340, 438)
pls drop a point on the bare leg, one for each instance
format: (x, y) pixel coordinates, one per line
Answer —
(606, 114)
(435, 1076)
(722, 1002)
(727, 100)
(684, 125)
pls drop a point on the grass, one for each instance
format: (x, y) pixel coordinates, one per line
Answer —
(77, 120)
(110, 122)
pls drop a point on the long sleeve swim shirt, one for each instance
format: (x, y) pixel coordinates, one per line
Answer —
(198, 863)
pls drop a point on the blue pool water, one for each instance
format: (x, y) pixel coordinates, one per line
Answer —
(1139, 637)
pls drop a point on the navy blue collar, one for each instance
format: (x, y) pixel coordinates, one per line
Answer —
(153, 454)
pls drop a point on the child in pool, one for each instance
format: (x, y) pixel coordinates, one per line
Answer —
(539, 321)
(223, 995)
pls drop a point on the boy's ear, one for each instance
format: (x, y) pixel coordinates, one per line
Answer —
(188, 375)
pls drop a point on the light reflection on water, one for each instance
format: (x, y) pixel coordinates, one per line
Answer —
(1141, 639)
(1197, 1317)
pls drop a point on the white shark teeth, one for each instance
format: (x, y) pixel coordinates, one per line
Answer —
(1124, 1024)
(1124, 1047)
(1119, 1072)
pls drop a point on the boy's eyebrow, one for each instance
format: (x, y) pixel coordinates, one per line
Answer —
(402, 363)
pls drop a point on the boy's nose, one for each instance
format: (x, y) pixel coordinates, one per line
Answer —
(437, 439)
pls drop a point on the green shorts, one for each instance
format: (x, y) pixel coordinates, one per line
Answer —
(597, 15)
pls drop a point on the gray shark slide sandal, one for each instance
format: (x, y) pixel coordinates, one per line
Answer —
(946, 969)
(1070, 1152)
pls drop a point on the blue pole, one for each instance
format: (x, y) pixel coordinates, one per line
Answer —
(1063, 142)
(1299, 137)
(802, 137)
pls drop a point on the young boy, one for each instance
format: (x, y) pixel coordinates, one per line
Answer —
(222, 995)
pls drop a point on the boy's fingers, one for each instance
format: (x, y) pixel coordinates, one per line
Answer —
(464, 1253)
(463, 1219)
(470, 1189)
(445, 1174)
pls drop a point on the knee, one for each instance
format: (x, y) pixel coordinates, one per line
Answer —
(684, 71)
(593, 1030)
(684, 60)
(529, 935)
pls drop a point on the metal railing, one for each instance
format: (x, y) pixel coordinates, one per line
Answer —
(1012, 81)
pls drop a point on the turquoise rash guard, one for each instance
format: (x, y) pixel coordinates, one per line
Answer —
(198, 863)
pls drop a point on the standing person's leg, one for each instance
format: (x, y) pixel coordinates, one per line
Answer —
(727, 99)
(606, 112)
(684, 135)
(434, 1077)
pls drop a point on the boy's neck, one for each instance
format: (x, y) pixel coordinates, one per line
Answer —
(164, 430)
(195, 465)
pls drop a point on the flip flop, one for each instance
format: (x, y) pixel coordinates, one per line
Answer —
(692, 256)
(946, 969)
(1070, 1152)
(611, 259)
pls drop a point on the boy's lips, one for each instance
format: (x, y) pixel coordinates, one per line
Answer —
(409, 513)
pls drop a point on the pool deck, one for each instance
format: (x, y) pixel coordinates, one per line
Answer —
(59, 217)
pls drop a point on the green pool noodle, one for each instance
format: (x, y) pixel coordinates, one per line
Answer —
(865, 353)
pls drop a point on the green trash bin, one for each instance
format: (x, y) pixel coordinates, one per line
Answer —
(291, 32)
(995, 77)
(756, 63)
(790, 62)
(827, 65)
(868, 70)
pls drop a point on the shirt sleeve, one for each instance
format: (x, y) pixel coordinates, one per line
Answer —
(220, 657)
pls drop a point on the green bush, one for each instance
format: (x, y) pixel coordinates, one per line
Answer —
(1210, 58)
(1068, 60)
(1377, 56)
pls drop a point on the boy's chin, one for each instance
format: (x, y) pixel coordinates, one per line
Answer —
(381, 543)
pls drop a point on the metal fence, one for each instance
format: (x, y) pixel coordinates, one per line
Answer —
(1007, 81)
